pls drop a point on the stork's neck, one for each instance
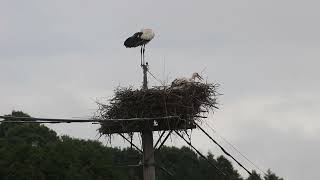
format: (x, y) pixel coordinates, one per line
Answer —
(193, 77)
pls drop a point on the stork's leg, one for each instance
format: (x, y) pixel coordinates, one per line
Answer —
(141, 55)
(144, 49)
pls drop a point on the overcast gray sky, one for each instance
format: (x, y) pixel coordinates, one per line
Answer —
(58, 57)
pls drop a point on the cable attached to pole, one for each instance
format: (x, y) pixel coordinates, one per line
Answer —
(203, 156)
(222, 148)
(235, 148)
(141, 152)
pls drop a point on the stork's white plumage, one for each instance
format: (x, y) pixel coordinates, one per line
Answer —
(183, 81)
(140, 38)
(195, 76)
(147, 34)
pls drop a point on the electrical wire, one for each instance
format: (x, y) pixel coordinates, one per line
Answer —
(222, 148)
(198, 152)
(236, 149)
(156, 78)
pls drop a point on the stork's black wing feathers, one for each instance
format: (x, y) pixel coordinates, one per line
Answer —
(131, 42)
(134, 41)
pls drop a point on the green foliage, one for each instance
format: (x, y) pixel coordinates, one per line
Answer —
(254, 176)
(34, 152)
(271, 176)
(185, 164)
(6, 126)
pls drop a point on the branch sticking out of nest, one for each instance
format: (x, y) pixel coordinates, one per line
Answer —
(187, 102)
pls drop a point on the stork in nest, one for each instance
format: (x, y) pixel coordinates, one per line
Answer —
(181, 82)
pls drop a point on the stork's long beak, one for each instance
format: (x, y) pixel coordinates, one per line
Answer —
(200, 78)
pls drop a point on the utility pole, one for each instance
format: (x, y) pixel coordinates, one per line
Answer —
(147, 139)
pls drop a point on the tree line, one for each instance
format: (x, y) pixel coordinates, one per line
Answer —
(32, 151)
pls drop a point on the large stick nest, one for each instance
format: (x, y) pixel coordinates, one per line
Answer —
(187, 103)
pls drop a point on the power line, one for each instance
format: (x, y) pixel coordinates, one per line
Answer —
(222, 148)
(16, 119)
(156, 78)
(236, 149)
(203, 156)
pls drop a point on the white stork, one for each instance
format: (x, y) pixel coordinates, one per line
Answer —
(184, 80)
(140, 38)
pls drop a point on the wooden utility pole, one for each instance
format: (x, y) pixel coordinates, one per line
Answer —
(147, 139)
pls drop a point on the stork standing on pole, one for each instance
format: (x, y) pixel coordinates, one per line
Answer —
(140, 38)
